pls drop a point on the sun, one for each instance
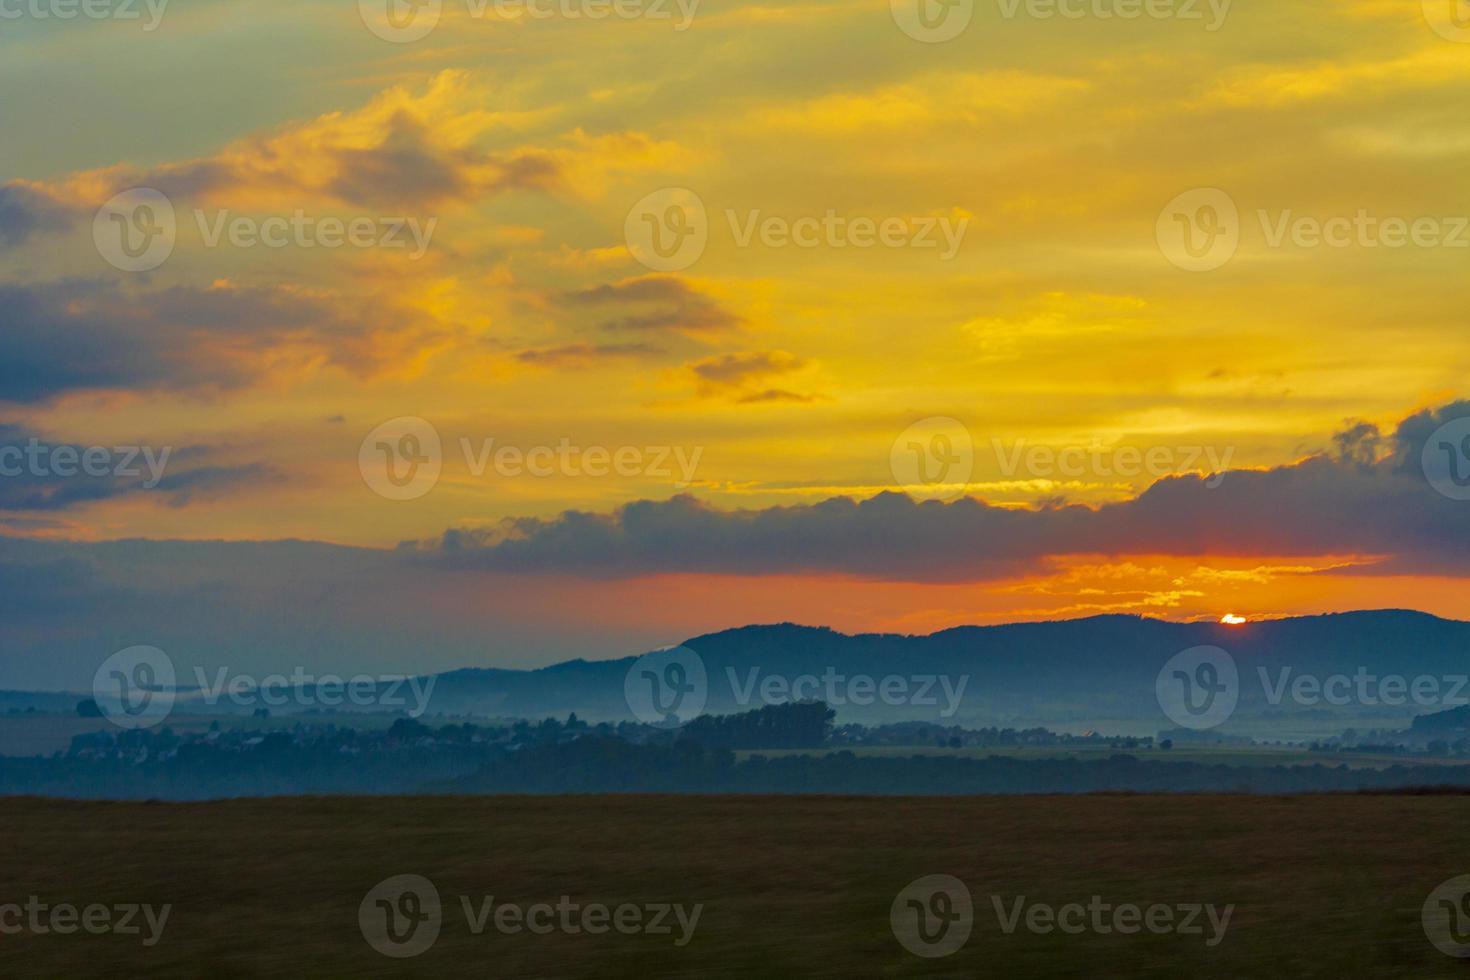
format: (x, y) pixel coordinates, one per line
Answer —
(1230, 619)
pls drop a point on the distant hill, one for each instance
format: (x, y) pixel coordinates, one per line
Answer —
(1455, 720)
(1100, 668)
(1098, 672)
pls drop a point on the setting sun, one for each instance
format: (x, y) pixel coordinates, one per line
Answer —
(1230, 619)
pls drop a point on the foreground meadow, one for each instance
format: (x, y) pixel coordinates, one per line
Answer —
(1330, 885)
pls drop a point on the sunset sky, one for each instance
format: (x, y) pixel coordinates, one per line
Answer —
(766, 396)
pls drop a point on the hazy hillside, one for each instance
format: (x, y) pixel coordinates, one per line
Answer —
(1098, 669)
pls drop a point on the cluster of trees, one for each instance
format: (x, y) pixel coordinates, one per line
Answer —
(955, 736)
(572, 756)
(803, 725)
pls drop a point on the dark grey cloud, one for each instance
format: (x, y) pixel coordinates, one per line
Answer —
(775, 395)
(24, 212)
(738, 368)
(405, 172)
(744, 376)
(684, 308)
(257, 608)
(39, 475)
(1330, 504)
(583, 355)
(78, 334)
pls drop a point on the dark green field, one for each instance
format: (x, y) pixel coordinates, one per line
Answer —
(791, 886)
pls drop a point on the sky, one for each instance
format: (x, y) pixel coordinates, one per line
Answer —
(491, 334)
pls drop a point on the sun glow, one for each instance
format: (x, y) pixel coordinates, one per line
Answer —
(1230, 619)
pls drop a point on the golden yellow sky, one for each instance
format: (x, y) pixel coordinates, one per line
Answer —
(1058, 152)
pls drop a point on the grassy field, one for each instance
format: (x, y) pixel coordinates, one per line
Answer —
(1322, 886)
